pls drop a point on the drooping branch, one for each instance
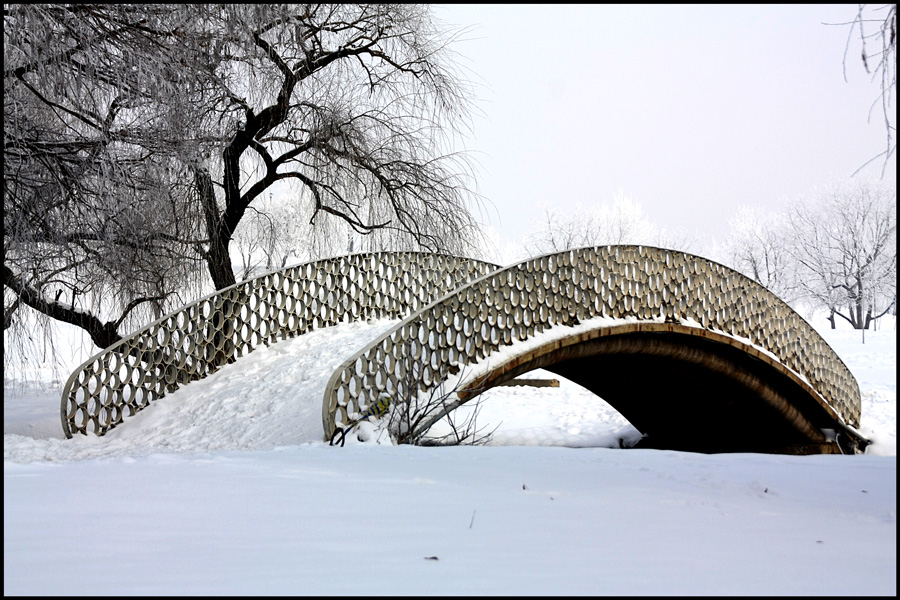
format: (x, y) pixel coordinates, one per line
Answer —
(102, 334)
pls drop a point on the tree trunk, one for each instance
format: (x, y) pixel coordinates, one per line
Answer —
(218, 260)
(860, 321)
(219, 263)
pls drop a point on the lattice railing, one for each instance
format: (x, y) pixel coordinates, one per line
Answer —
(198, 339)
(514, 303)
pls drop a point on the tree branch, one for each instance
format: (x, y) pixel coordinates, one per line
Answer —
(102, 334)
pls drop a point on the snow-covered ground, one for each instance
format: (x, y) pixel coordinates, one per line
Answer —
(225, 487)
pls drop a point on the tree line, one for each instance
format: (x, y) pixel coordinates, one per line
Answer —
(835, 250)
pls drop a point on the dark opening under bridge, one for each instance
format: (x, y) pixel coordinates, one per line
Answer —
(695, 355)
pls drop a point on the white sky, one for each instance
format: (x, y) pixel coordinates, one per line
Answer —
(691, 110)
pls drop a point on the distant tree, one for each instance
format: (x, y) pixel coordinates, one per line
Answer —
(139, 138)
(846, 246)
(876, 26)
(558, 232)
(621, 222)
(758, 245)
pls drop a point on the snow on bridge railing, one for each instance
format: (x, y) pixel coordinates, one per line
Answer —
(512, 304)
(198, 339)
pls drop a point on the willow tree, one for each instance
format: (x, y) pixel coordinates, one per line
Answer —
(138, 138)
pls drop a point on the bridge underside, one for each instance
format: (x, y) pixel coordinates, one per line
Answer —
(687, 390)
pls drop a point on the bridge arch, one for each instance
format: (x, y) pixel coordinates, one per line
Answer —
(610, 309)
(201, 337)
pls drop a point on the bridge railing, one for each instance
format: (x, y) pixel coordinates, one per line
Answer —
(198, 339)
(640, 282)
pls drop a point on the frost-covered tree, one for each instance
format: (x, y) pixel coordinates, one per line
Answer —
(96, 221)
(139, 137)
(619, 222)
(846, 245)
(758, 246)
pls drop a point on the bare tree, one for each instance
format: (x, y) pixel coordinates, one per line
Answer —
(350, 103)
(557, 232)
(408, 417)
(410, 413)
(758, 246)
(846, 246)
(876, 28)
(138, 138)
(619, 222)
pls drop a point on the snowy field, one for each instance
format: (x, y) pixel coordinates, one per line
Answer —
(225, 488)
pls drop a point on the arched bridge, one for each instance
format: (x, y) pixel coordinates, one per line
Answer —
(695, 355)
(203, 336)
